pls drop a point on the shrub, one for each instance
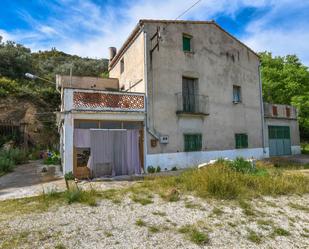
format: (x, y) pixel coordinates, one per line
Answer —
(151, 169)
(76, 195)
(6, 165)
(69, 176)
(241, 165)
(158, 169)
(174, 168)
(53, 159)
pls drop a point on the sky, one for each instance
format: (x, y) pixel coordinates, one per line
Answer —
(88, 27)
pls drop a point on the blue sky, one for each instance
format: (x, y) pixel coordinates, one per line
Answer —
(89, 27)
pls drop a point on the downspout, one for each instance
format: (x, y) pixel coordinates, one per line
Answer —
(146, 87)
(262, 109)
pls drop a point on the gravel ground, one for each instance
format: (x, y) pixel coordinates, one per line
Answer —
(111, 225)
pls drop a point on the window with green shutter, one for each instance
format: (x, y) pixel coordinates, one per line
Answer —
(241, 141)
(186, 42)
(193, 142)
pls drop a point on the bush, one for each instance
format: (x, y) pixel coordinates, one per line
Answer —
(243, 166)
(69, 176)
(158, 169)
(151, 169)
(53, 159)
(10, 158)
(6, 165)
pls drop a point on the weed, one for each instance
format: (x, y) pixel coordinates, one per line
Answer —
(153, 229)
(144, 200)
(247, 208)
(254, 237)
(193, 205)
(217, 211)
(60, 246)
(173, 195)
(232, 224)
(264, 222)
(299, 207)
(159, 213)
(140, 223)
(80, 196)
(278, 231)
(194, 235)
(108, 234)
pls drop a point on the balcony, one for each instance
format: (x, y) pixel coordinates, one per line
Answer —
(192, 104)
(95, 100)
(279, 111)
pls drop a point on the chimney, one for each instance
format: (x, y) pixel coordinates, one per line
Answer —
(112, 52)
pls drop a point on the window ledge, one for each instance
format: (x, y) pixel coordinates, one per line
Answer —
(194, 114)
(189, 52)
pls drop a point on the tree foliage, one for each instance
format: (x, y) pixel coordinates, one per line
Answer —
(286, 81)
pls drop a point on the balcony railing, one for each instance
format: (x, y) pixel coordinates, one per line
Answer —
(192, 104)
(107, 101)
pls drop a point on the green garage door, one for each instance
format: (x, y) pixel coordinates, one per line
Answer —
(279, 140)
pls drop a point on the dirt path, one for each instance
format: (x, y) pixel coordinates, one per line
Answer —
(28, 180)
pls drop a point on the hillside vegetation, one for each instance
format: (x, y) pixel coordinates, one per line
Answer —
(35, 101)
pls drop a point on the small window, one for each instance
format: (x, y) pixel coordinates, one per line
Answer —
(186, 43)
(288, 112)
(241, 141)
(193, 142)
(275, 111)
(122, 65)
(236, 94)
(86, 124)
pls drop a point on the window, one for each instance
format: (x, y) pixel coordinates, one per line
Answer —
(236, 94)
(86, 124)
(193, 142)
(122, 65)
(241, 141)
(275, 111)
(186, 43)
(288, 112)
(189, 90)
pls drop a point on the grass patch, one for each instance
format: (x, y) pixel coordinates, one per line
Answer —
(140, 223)
(217, 211)
(265, 222)
(60, 246)
(247, 208)
(108, 234)
(278, 231)
(153, 229)
(254, 237)
(194, 235)
(144, 200)
(158, 213)
(299, 207)
(223, 182)
(192, 205)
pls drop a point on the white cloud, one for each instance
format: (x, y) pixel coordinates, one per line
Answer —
(85, 28)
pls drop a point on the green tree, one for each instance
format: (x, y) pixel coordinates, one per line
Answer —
(286, 81)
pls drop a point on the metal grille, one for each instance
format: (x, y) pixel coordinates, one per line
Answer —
(90, 100)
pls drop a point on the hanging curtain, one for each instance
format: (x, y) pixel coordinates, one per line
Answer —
(81, 138)
(114, 152)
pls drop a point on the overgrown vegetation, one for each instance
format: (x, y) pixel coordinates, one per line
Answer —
(53, 158)
(11, 157)
(194, 235)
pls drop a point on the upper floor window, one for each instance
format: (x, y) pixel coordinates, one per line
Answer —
(236, 94)
(275, 111)
(186, 43)
(288, 112)
(189, 96)
(122, 65)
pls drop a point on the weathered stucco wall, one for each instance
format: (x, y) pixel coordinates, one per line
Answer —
(133, 67)
(219, 62)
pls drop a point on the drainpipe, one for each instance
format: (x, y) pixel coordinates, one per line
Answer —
(262, 108)
(151, 132)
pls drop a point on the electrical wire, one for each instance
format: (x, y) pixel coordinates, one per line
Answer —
(197, 2)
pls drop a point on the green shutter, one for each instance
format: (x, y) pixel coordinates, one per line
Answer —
(193, 142)
(241, 141)
(186, 41)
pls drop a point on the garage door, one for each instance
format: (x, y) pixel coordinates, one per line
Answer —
(279, 140)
